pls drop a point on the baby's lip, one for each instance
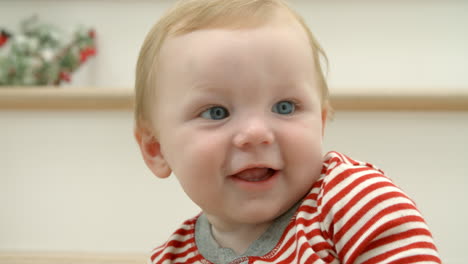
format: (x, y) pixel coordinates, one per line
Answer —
(253, 166)
(255, 174)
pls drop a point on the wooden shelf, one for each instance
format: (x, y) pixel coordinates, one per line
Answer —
(455, 103)
(68, 98)
(74, 98)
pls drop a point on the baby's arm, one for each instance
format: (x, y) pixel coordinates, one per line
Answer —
(370, 220)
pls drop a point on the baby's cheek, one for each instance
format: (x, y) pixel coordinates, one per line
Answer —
(199, 170)
(203, 153)
(305, 133)
(303, 146)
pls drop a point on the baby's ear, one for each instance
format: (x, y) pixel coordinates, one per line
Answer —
(151, 151)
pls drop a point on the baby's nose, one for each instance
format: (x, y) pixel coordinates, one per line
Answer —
(253, 132)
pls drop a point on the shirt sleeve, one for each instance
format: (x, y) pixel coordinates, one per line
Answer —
(370, 220)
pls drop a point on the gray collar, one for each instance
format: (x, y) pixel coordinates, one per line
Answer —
(210, 249)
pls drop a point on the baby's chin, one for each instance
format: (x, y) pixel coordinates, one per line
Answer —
(258, 211)
(260, 215)
(249, 221)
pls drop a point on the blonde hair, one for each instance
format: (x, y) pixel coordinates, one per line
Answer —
(191, 15)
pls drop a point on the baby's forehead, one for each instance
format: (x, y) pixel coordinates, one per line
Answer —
(223, 46)
(184, 36)
(270, 55)
(234, 32)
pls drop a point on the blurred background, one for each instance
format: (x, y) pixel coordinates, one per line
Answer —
(74, 181)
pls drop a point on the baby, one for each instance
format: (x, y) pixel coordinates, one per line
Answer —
(231, 98)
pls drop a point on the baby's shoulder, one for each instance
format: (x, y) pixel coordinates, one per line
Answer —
(336, 162)
(347, 185)
(345, 181)
(364, 215)
(342, 171)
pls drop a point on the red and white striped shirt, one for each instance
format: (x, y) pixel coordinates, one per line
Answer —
(352, 214)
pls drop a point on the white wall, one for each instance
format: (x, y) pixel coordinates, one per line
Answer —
(74, 181)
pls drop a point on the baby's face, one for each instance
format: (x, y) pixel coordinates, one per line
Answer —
(240, 120)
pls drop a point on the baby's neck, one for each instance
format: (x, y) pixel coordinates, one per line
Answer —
(239, 237)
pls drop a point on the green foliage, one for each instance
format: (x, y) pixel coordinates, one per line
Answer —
(41, 55)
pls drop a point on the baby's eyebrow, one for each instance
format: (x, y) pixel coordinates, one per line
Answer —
(204, 88)
(201, 94)
(210, 88)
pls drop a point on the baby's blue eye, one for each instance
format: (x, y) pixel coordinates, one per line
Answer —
(284, 107)
(215, 113)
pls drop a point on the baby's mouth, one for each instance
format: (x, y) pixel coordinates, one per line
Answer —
(255, 174)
